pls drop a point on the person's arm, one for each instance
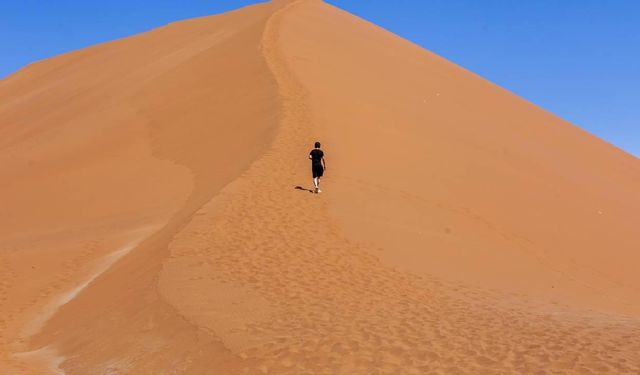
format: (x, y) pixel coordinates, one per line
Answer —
(324, 164)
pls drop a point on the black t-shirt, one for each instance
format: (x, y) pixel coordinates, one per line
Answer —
(316, 156)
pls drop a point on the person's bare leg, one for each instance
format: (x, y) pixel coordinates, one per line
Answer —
(318, 186)
(315, 183)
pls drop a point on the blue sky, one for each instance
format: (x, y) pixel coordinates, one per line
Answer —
(579, 59)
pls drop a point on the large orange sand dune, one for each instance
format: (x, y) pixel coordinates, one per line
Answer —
(149, 221)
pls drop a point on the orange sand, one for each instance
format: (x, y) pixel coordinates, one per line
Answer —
(150, 223)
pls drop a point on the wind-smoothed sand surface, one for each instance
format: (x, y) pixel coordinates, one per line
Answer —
(152, 224)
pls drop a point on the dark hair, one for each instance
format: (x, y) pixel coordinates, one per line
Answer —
(317, 144)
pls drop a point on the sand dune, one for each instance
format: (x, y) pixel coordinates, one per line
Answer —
(151, 222)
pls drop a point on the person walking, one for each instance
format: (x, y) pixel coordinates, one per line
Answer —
(318, 166)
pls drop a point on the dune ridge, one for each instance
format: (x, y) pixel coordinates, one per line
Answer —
(248, 274)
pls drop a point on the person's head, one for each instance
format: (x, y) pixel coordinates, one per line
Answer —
(317, 145)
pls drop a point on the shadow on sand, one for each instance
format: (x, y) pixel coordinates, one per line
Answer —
(303, 188)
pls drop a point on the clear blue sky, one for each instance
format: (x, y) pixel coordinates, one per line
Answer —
(579, 59)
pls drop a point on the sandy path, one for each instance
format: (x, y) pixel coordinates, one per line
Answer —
(332, 307)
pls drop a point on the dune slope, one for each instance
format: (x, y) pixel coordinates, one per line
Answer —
(449, 175)
(115, 147)
(153, 223)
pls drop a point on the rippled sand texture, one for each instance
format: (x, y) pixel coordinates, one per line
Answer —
(461, 229)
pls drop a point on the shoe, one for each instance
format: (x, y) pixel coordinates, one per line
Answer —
(318, 191)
